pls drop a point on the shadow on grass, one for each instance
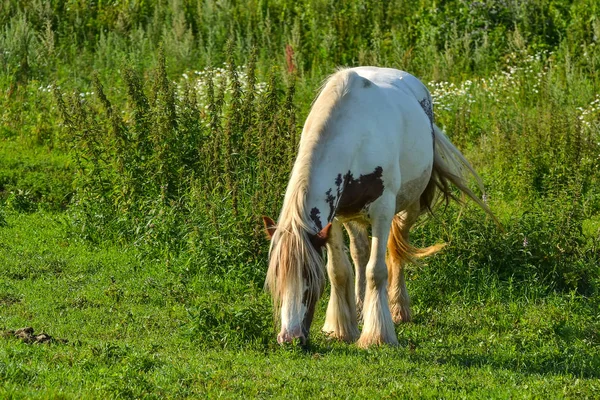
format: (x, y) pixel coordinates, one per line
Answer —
(572, 361)
(561, 365)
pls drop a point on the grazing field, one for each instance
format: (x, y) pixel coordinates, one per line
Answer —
(141, 142)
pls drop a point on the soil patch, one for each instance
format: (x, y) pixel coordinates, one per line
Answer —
(27, 335)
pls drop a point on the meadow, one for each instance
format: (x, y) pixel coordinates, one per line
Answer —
(141, 142)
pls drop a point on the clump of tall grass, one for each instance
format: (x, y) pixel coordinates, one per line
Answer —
(181, 168)
(538, 153)
(217, 321)
(432, 40)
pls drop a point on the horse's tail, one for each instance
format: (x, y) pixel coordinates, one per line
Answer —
(400, 250)
(450, 167)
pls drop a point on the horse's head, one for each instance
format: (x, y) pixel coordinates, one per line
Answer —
(295, 277)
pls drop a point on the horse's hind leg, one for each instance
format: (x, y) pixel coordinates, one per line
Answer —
(399, 253)
(359, 250)
(340, 320)
(397, 257)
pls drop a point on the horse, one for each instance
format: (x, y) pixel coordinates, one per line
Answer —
(370, 153)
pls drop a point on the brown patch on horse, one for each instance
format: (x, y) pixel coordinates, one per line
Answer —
(315, 216)
(358, 193)
(427, 106)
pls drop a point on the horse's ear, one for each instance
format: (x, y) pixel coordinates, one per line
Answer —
(270, 226)
(320, 239)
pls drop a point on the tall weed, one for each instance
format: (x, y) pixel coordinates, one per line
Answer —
(169, 167)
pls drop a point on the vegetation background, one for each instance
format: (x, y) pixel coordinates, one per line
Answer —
(140, 142)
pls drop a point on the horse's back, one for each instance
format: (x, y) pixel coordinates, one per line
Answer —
(390, 112)
(377, 131)
(394, 79)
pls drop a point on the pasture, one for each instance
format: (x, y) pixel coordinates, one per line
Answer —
(141, 142)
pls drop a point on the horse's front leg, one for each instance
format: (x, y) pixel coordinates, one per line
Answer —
(378, 327)
(340, 321)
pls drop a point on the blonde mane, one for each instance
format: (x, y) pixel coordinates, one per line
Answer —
(292, 257)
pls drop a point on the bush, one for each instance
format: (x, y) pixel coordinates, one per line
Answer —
(181, 164)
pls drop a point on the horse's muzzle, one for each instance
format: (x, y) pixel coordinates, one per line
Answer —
(286, 336)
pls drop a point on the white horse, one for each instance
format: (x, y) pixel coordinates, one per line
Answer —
(370, 153)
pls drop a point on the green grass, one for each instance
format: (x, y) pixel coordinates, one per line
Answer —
(132, 331)
(135, 166)
(32, 176)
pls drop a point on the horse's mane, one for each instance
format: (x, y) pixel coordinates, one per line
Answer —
(292, 257)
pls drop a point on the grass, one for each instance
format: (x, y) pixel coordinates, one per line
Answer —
(30, 177)
(133, 331)
(141, 142)
(146, 371)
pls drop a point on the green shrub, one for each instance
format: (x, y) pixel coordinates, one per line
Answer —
(181, 162)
